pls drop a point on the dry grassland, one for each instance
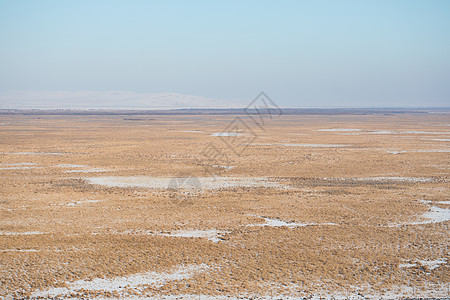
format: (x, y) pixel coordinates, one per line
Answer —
(312, 208)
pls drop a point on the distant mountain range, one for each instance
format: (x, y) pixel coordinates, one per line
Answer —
(109, 100)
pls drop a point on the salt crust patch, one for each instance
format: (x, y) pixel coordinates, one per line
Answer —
(205, 183)
(119, 284)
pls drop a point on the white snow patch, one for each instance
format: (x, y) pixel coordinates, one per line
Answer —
(436, 215)
(189, 183)
(443, 202)
(18, 168)
(226, 134)
(384, 178)
(407, 265)
(396, 152)
(82, 202)
(340, 129)
(280, 223)
(432, 264)
(93, 170)
(33, 153)
(440, 140)
(18, 164)
(399, 179)
(394, 132)
(212, 234)
(21, 233)
(433, 215)
(433, 150)
(119, 284)
(18, 250)
(228, 168)
(316, 145)
(71, 166)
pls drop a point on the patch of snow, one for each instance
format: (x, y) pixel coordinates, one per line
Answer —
(82, 202)
(424, 132)
(94, 170)
(433, 215)
(18, 164)
(33, 153)
(340, 129)
(18, 168)
(18, 250)
(436, 215)
(212, 234)
(432, 264)
(382, 132)
(71, 166)
(443, 202)
(21, 233)
(119, 284)
(316, 145)
(396, 152)
(280, 223)
(407, 265)
(440, 140)
(433, 150)
(228, 168)
(400, 179)
(184, 183)
(384, 178)
(226, 134)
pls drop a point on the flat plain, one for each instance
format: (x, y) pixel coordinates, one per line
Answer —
(225, 206)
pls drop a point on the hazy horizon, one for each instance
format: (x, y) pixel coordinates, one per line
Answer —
(301, 53)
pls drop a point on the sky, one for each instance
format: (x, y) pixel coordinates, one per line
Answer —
(317, 53)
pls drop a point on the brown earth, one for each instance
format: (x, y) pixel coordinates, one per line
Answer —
(57, 228)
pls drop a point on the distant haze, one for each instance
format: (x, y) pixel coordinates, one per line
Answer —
(176, 54)
(108, 100)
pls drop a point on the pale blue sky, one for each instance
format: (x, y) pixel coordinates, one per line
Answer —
(301, 53)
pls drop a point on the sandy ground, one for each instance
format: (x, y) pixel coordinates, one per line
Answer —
(179, 207)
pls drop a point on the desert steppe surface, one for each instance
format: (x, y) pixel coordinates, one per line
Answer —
(224, 206)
